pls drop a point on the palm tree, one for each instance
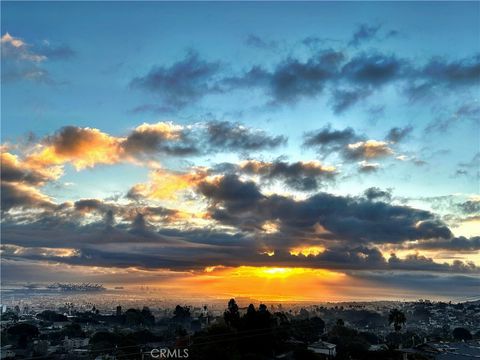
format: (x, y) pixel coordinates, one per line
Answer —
(397, 318)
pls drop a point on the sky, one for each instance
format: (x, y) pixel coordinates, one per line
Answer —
(284, 151)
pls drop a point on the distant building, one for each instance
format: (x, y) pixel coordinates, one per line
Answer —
(324, 348)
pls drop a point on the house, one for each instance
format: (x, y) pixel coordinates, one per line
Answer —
(325, 348)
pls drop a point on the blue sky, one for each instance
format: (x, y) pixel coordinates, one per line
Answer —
(277, 73)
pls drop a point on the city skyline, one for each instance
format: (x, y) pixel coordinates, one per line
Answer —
(280, 151)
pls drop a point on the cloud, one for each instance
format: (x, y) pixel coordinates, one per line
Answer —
(83, 147)
(375, 193)
(369, 149)
(23, 61)
(356, 220)
(303, 176)
(344, 99)
(348, 144)
(374, 69)
(327, 140)
(16, 170)
(16, 49)
(20, 196)
(181, 83)
(397, 134)
(224, 135)
(368, 167)
(363, 33)
(461, 72)
(457, 244)
(470, 206)
(292, 79)
(166, 185)
(162, 137)
(89, 147)
(56, 52)
(259, 43)
(348, 80)
(469, 111)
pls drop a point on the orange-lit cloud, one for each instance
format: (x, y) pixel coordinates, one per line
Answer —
(369, 149)
(307, 250)
(82, 147)
(166, 185)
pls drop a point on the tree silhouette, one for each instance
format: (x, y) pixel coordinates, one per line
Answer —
(397, 318)
(231, 315)
(181, 313)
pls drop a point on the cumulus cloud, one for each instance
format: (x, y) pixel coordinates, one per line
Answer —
(369, 149)
(23, 61)
(397, 134)
(327, 140)
(303, 176)
(226, 135)
(181, 83)
(347, 143)
(348, 80)
(344, 218)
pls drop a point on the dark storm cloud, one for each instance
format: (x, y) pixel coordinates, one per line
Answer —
(303, 176)
(363, 33)
(349, 219)
(397, 134)
(234, 136)
(236, 194)
(455, 244)
(423, 283)
(181, 83)
(352, 226)
(233, 251)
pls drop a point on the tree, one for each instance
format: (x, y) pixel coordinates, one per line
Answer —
(397, 318)
(73, 330)
(181, 313)
(231, 315)
(22, 334)
(460, 333)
